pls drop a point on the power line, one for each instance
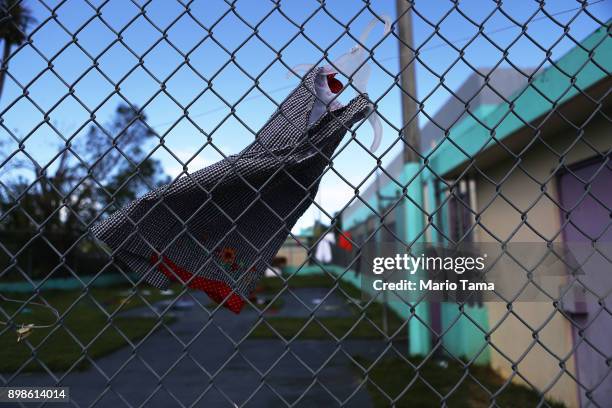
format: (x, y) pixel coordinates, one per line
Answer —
(495, 31)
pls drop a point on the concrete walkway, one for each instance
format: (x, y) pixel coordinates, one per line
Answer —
(164, 373)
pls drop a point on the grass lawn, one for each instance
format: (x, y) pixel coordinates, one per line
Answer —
(289, 327)
(320, 328)
(89, 325)
(395, 377)
(275, 285)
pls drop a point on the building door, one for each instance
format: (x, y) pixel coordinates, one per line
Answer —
(590, 220)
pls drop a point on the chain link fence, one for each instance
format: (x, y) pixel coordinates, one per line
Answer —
(149, 258)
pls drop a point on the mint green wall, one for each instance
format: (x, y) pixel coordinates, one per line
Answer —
(465, 332)
(419, 335)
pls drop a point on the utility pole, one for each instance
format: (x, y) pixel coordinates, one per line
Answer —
(419, 336)
(408, 81)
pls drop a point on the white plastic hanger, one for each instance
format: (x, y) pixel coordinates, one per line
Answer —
(353, 65)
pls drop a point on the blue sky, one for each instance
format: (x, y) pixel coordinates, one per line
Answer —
(254, 57)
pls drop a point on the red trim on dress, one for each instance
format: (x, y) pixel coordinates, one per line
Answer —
(218, 291)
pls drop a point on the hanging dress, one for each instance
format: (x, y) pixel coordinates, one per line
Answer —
(218, 229)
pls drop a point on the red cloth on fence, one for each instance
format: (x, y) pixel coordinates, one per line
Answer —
(344, 241)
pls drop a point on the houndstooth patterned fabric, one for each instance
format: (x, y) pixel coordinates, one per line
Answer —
(218, 228)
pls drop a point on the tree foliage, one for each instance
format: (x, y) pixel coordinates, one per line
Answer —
(14, 20)
(97, 172)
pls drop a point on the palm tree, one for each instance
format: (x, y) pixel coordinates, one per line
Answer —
(14, 19)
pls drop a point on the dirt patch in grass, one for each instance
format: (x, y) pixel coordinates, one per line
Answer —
(433, 385)
(85, 331)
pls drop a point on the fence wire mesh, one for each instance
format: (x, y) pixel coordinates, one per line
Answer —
(496, 129)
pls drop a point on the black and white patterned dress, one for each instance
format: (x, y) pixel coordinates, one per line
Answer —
(217, 229)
